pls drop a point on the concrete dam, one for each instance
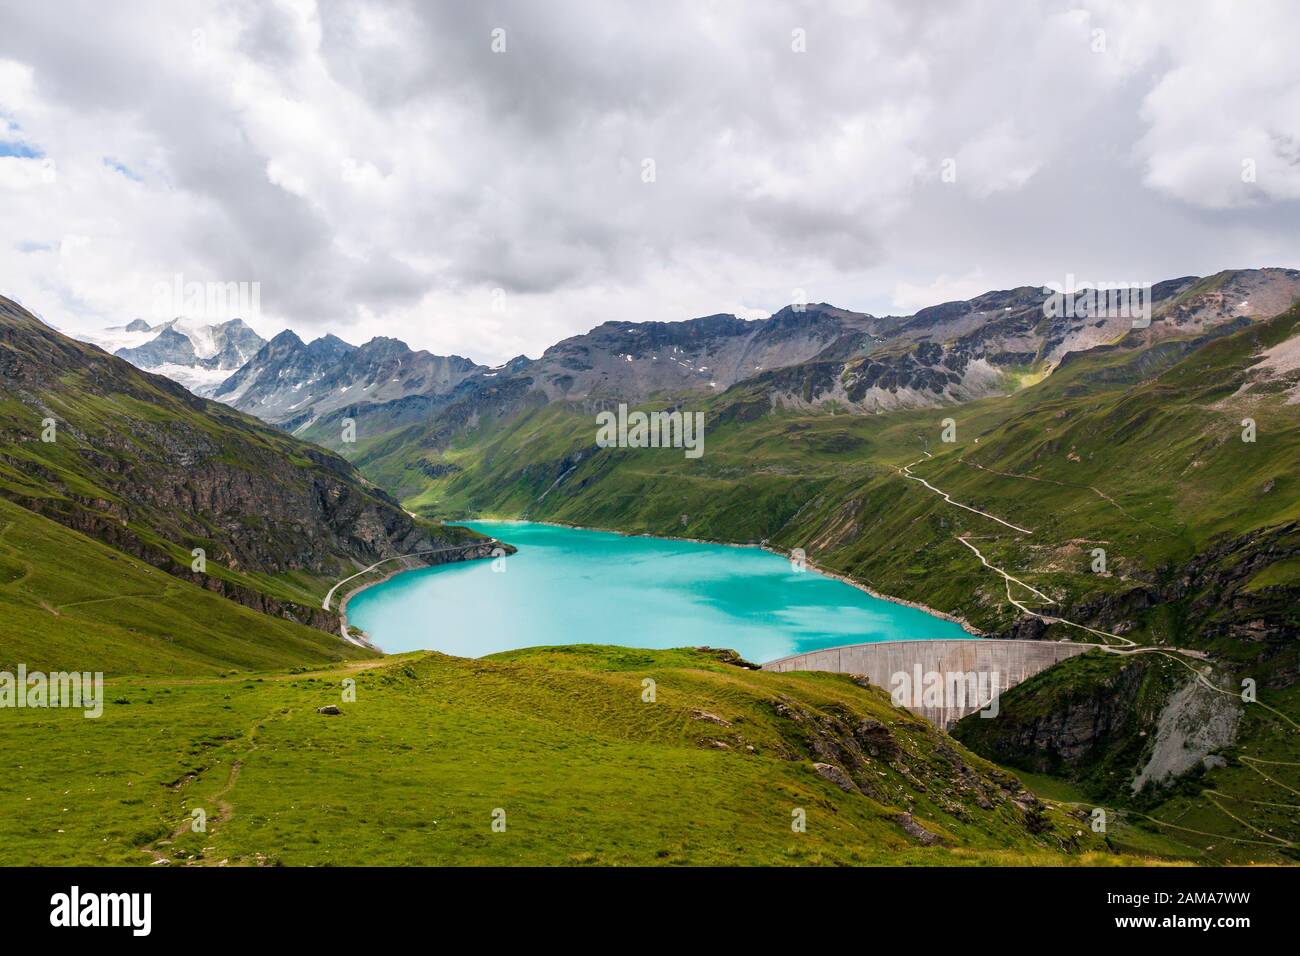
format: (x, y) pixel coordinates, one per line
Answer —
(941, 680)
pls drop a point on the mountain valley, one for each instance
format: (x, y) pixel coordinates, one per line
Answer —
(971, 458)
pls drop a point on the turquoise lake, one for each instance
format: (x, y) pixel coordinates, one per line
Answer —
(567, 586)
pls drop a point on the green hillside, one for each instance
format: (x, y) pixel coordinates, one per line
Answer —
(559, 739)
(71, 603)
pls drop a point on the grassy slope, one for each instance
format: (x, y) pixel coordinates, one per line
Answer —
(69, 602)
(55, 470)
(559, 738)
(587, 772)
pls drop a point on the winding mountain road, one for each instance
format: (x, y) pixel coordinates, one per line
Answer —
(329, 595)
(1125, 644)
(1128, 647)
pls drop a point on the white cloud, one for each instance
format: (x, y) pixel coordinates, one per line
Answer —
(379, 170)
(909, 297)
(999, 160)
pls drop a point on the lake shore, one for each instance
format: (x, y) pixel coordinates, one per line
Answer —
(407, 564)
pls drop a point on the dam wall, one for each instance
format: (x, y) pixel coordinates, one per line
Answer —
(969, 671)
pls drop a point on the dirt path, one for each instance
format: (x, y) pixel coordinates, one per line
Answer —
(1108, 639)
(223, 809)
(116, 597)
(906, 471)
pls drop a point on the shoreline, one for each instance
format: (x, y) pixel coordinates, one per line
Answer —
(364, 640)
(957, 619)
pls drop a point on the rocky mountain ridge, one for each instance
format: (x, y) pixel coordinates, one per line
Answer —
(803, 356)
(292, 384)
(200, 356)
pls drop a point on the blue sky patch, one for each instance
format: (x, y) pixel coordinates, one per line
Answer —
(126, 171)
(20, 149)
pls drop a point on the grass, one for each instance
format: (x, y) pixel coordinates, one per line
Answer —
(1052, 788)
(561, 740)
(69, 602)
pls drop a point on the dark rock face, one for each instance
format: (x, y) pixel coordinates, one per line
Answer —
(1080, 727)
(1121, 727)
(1214, 582)
(1214, 590)
(1104, 722)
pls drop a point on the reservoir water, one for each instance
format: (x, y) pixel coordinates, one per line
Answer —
(568, 586)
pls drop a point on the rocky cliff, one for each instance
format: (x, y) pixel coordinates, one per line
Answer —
(1120, 726)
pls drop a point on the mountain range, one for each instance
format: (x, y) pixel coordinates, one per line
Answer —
(293, 385)
(199, 356)
(813, 355)
(117, 485)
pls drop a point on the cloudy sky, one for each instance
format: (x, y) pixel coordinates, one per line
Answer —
(486, 178)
